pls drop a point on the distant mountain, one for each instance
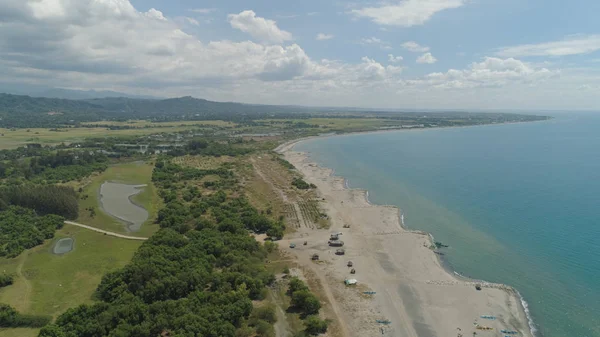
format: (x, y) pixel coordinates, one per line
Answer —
(84, 94)
(51, 92)
(27, 111)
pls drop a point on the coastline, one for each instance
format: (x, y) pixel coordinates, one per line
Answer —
(514, 309)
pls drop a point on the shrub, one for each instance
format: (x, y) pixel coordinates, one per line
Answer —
(306, 302)
(10, 318)
(314, 325)
(296, 284)
(5, 280)
(265, 313)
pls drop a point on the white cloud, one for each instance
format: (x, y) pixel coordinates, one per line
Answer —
(192, 21)
(109, 40)
(414, 47)
(108, 44)
(491, 72)
(406, 13)
(573, 45)
(288, 16)
(323, 36)
(203, 10)
(257, 27)
(426, 58)
(376, 42)
(154, 14)
(394, 59)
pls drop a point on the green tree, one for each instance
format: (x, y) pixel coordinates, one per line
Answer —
(314, 325)
(306, 302)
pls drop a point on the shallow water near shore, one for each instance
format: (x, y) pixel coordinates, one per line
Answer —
(518, 204)
(115, 199)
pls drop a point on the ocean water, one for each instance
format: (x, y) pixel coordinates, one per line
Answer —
(518, 204)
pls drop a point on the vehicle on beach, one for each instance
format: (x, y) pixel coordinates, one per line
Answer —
(340, 252)
(292, 245)
(336, 243)
(350, 282)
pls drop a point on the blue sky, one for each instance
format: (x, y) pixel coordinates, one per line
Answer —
(443, 54)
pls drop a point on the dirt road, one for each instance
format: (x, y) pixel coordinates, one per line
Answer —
(106, 232)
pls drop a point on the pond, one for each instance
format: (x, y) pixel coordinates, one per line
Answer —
(63, 246)
(115, 199)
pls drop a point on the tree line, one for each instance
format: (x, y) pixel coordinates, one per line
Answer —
(47, 166)
(43, 199)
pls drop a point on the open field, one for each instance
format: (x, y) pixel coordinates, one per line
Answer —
(20, 137)
(20, 332)
(49, 284)
(137, 173)
(203, 162)
(148, 124)
(349, 124)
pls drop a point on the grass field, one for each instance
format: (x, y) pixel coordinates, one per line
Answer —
(340, 123)
(137, 173)
(144, 124)
(49, 284)
(21, 332)
(20, 137)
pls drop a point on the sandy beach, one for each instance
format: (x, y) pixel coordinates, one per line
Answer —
(413, 291)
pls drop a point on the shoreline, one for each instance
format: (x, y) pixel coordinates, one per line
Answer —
(352, 133)
(524, 314)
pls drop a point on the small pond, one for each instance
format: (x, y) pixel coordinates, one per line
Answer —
(63, 246)
(115, 199)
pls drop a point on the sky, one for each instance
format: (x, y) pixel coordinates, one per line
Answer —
(403, 54)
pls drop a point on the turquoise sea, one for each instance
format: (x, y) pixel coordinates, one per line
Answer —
(518, 204)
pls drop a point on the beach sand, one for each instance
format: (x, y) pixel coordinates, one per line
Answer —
(413, 290)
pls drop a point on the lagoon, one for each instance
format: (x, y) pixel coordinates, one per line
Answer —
(116, 200)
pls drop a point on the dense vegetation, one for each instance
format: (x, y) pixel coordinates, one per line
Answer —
(44, 199)
(195, 210)
(209, 148)
(10, 318)
(21, 228)
(46, 165)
